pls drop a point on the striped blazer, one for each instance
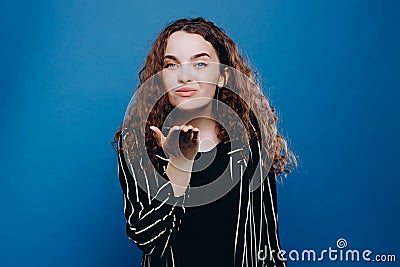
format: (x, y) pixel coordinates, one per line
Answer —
(153, 214)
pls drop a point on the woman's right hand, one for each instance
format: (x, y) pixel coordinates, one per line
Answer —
(181, 143)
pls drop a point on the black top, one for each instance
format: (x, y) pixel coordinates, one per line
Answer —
(230, 231)
(214, 221)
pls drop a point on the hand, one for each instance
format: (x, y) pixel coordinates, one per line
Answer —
(181, 143)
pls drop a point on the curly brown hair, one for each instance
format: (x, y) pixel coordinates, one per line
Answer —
(244, 97)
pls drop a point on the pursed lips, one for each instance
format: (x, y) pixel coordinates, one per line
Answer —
(185, 91)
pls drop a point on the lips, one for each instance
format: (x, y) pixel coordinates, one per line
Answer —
(185, 92)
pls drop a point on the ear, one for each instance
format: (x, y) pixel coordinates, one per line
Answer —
(223, 78)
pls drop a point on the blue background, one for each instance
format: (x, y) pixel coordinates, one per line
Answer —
(69, 68)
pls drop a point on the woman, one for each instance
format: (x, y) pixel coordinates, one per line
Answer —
(199, 153)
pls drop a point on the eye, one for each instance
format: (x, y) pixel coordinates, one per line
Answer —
(170, 66)
(201, 64)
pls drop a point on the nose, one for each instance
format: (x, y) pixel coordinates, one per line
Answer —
(185, 73)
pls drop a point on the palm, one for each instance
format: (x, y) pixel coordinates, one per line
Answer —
(181, 141)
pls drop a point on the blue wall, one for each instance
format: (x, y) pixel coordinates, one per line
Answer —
(69, 68)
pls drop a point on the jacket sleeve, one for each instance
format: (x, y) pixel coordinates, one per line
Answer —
(270, 210)
(265, 195)
(151, 221)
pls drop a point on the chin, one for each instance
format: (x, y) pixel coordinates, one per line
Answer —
(191, 105)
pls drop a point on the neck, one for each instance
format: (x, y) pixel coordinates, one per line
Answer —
(203, 120)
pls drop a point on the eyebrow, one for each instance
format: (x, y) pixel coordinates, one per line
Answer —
(191, 58)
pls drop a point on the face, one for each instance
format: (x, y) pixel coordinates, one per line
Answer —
(191, 71)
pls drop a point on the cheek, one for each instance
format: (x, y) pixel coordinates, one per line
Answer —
(169, 81)
(208, 89)
(171, 99)
(211, 76)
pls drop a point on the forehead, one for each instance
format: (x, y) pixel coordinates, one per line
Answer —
(184, 45)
